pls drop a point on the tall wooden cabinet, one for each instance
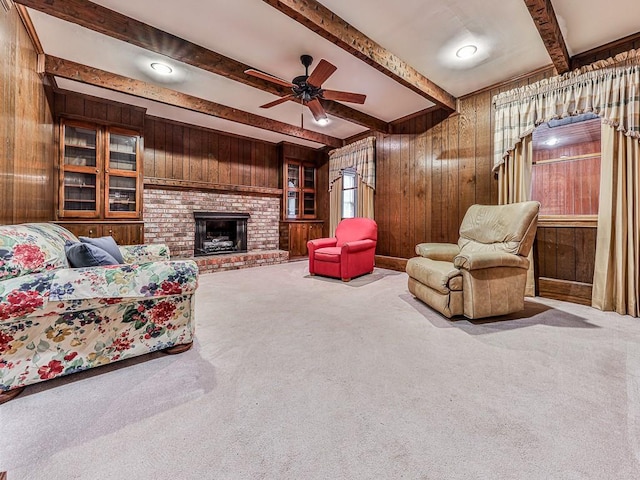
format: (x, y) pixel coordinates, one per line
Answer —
(100, 181)
(299, 222)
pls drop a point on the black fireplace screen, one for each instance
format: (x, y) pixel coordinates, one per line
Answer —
(218, 233)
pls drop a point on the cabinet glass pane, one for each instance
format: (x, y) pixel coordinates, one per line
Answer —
(122, 194)
(292, 204)
(79, 191)
(79, 146)
(309, 203)
(293, 176)
(122, 152)
(309, 180)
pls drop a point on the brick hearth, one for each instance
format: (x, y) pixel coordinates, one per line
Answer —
(168, 218)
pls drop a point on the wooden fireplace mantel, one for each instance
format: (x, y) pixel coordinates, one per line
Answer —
(154, 182)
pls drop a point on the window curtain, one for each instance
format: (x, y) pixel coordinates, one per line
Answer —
(616, 282)
(361, 157)
(514, 185)
(610, 89)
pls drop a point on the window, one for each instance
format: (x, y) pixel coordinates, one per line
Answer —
(349, 193)
(565, 178)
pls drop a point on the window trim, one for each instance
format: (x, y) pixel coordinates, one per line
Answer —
(351, 172)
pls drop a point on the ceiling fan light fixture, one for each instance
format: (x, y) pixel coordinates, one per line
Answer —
(162, 68)
(466, 51)
(323, 122)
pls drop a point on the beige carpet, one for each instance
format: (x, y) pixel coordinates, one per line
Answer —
(298, 377)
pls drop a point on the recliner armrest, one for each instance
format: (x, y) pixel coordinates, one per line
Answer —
(445, 252)
(480, 260)
(359, 245)
(322, 242)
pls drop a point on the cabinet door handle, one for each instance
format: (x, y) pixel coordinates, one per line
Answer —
(110, 232)
(90, 232)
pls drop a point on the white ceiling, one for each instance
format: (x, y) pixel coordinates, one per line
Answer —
(424, 33)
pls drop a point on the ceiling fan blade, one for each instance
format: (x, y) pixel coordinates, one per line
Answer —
(270, 78)
(316, 109)
(343, 96)
(322, 71)
(277, 102)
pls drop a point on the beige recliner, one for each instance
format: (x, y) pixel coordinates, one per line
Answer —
(485, 274)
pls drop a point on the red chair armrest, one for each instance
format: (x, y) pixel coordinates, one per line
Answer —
(359, 245)
(321, 243)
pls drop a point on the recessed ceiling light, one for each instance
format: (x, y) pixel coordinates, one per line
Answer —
(552, 141)
(323, 122)
(466, 51)
(162, 68)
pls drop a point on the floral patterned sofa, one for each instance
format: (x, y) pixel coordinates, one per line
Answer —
(56, 320)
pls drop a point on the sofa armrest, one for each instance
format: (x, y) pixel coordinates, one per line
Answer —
(152, 279)
(480, 260)
(321, 243)
(358, 245)
(144, 253)
(444, 252)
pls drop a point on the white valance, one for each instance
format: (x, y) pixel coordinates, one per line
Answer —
(360, 155)
(608, 88)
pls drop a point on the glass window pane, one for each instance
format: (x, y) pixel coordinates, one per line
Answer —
(293, 173)
(348, 180)
(79, 191)
(309, 203)
(122, 152)
(122, 194)
(292, 204)
(309, 180)
(79, 146)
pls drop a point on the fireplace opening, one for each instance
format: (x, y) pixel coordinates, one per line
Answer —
(218, 233)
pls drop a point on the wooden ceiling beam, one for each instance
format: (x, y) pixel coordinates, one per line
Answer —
(118, 83)
(327, 24)
(113, 24)
(549, 29)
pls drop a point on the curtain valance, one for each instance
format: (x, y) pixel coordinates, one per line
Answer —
(358, 155)
(609, 88)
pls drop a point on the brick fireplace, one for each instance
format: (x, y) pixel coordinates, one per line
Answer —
(169, 218)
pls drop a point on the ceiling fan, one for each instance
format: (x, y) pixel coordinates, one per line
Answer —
(308, 88)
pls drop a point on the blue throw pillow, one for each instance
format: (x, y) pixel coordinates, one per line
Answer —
(86, 255)
(108, 244)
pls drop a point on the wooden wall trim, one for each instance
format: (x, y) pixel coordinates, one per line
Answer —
(152, 182)
(537, 74)
(565, 290)
(391, 263)
(606, 51)
(568, 221)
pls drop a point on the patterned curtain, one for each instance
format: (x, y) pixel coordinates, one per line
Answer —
(609, 88)
(360, 155)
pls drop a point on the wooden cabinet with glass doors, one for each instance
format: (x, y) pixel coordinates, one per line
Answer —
(100, 175)
(299, 190)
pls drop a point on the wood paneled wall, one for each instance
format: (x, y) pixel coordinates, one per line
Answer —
(26, 130)
(426, 182)
(85, 107)
(177, 151)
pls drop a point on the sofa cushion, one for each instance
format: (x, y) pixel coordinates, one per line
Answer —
(32, 248)
(108, 244)
(87, 255)
(328, 254)
(441, 276)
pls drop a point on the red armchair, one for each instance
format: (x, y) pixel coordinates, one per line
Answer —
(350, 254)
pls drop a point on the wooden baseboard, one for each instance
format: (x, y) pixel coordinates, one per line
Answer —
(566, 290)
(392, 263)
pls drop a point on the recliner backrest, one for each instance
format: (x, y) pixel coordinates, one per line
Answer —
(507, 228)
(358, 228)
